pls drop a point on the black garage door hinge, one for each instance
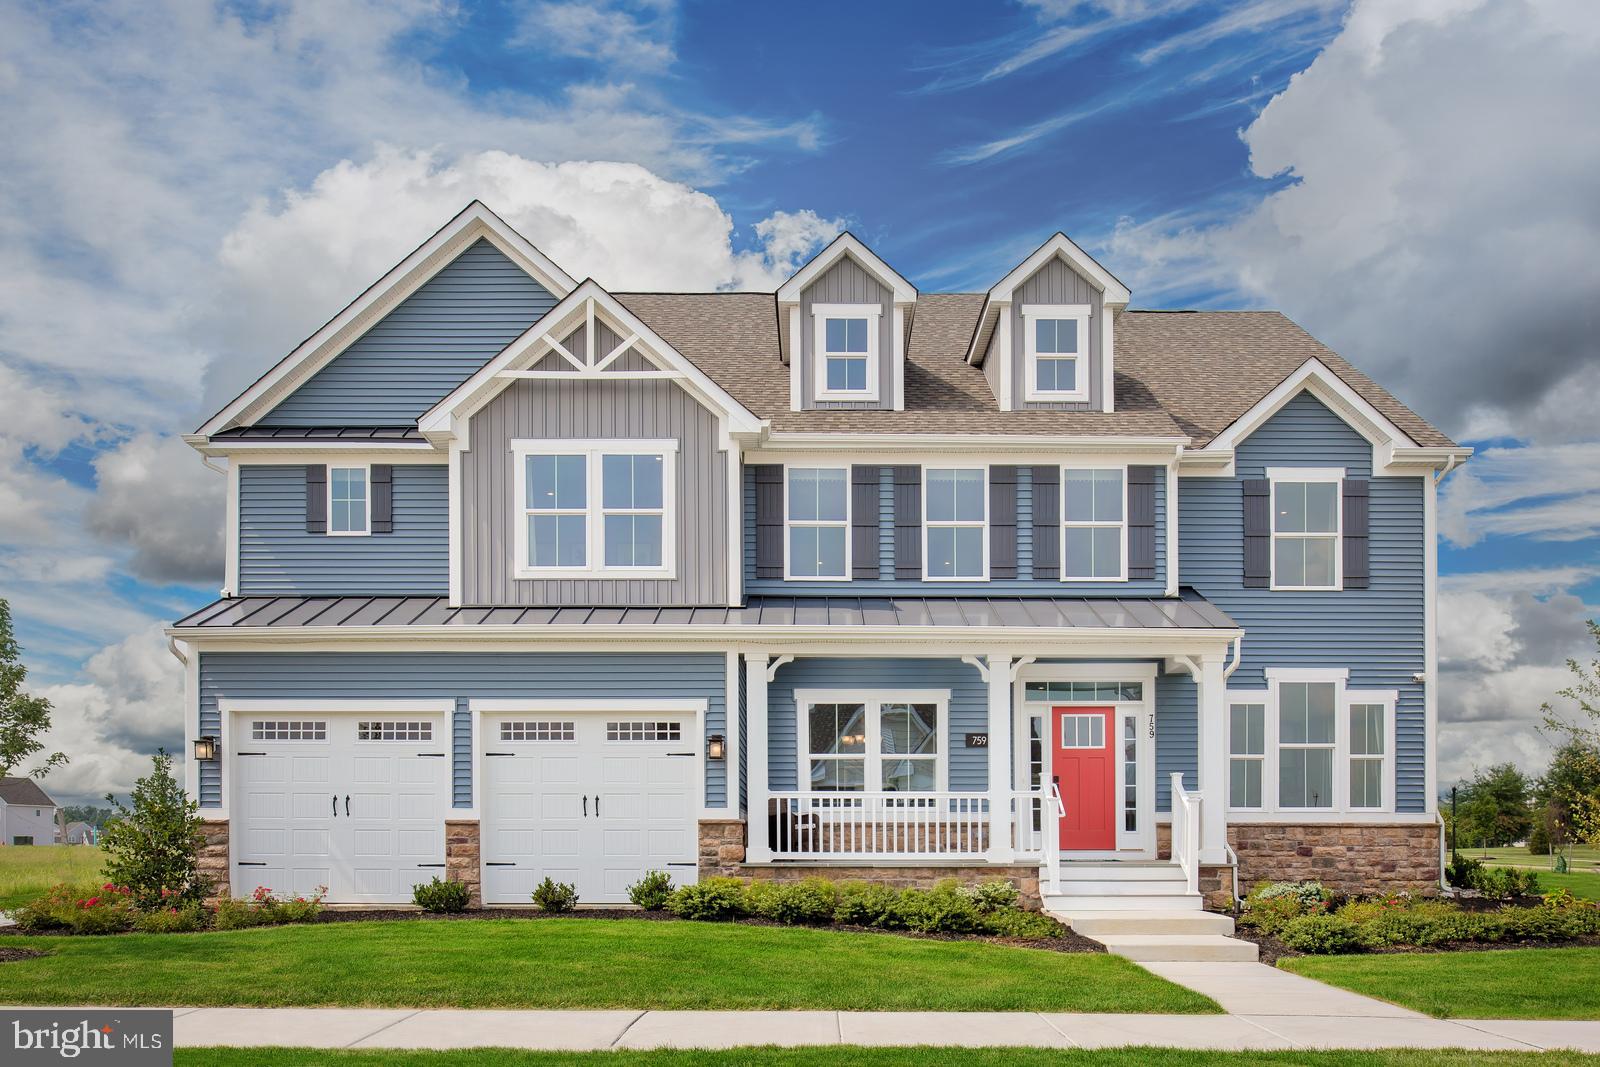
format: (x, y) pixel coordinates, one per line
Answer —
(250, 863)
(430, 865)
(499, 864)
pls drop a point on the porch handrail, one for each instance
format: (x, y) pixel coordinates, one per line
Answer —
(903, 824)
(1186, 832)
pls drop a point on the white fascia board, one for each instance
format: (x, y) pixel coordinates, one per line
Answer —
(1054, 447)
(441, 421)
(849, 244)
(1113, 291)
(263, 450)
(410, 274)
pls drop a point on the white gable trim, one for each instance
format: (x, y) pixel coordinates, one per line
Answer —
(448, 419)
(846, 244)
(1392, 448)
(410, 274)
(1113, 292)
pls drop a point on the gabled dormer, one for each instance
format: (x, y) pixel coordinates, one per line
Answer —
(843, 320)
(1045, 339)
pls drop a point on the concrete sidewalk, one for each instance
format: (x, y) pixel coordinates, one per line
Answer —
(584, 1030)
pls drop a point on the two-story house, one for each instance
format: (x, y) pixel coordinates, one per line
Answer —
(526, 578)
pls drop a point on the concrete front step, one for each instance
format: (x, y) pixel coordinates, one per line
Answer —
(1174, 948)
(1110, 887)
(1121, 872)
(1122, 900)
(1095, 923)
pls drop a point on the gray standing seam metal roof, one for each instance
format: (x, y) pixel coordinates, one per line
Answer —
(291, 612)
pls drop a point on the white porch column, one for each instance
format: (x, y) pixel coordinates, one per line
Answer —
(1001, 848)
(1213, 777)
(757, 848)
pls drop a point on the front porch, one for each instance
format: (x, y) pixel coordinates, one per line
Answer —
(958, 766)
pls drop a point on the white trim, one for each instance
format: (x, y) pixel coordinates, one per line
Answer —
(1112, 291)
(1081, 358)
(513, 705)
(796, 344)
(872, 754)
(758, 848)
(897, 369)
(1173, 539)
(1430, 645)
(593, 452)
(350, 458)
(406, 277)
(1048, 448)
(1341, 818)
(820, 316)
(1108, 360)
(269, 706)
(1309, 476)
(230, 534)
(1122, 575)
(454, 536)
(732, 761)
(1002, 339)
(269, 450)
(366, 486)
(981, 524)
(846, 244)
(1390, 700)
(849, 503)
(735, 529)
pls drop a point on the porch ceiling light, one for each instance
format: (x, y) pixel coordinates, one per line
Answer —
(205, 749)
(716, 747)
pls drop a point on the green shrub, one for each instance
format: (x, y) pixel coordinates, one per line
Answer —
(1272, 906)
(555, 897)
(1461, 870)
(103, 909)
(651, 891)
(712, 899)
(992, 896)
(809, 902)
(1503, 883)
(235, 914)
(864, 904)
(942, 909)
(441, 896)
(46, 912)
(1013, 922)
(1321, 935)
(1309, 895)
(295, 910)
(184, 920)
(760, 898)
(153, 848)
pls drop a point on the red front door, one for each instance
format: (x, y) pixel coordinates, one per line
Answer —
(1085, 769)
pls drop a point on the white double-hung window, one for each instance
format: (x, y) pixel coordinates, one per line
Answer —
(349, 501)
(1094, 510)
(1056, 345)
(872, 741)
(1308, 743)
(817, 509)
(845, 350)
(1306, 527)
(595, 509)
(955, 523)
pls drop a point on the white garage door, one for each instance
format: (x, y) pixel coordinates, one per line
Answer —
(594, 800)
(352, 802)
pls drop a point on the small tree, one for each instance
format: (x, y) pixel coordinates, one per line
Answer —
(23, 718)
(153, 848)
(1494, 807)
(1573, 782)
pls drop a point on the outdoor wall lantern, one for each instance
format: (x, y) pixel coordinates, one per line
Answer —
(716, 747)
(205, 749)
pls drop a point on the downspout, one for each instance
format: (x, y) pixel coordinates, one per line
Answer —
(172, 646)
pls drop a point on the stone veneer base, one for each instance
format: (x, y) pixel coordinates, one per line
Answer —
(461, 855)
(212, 862)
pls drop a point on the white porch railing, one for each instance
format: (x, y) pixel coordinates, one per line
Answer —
(1038, 815)
(816, 826)
(1186, 832)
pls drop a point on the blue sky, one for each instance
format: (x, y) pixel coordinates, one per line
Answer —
(191, 190)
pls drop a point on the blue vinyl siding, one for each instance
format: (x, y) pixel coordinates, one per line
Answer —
(1376, 633)
(969, 708)
(461, 677)
(461, 754)
(1177, 735)
(429, 344)
(887, 585)
(277, 556)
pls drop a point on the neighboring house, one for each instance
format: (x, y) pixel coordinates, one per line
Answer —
(27, 814)
(526, 578)
(81, 833)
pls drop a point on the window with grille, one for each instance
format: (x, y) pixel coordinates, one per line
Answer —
(643, 730)
(288, 730)
(1083, 731)
(1130, 773)
(538, 731)
(394, 731)
(1247, 752)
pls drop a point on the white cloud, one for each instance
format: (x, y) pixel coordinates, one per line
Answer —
(154, 496)
(1546, 493)
(1440, 226)
(633, 36)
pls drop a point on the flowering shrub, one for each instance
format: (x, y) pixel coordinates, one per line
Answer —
(177, 920)
(153, 848)
(1271, 907)
(103, 909)
(264, 909)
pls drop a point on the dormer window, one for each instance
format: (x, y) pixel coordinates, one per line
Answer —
(1057, 349)
(846, 350)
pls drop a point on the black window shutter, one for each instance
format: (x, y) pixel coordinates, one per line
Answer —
(1257, 533)
(1047, 522)
(769, 520)
(864, 522)
(1142, 521)
(317, 499)
(908, 522)
(382, 498)
(1002, 522)
(1357, 569)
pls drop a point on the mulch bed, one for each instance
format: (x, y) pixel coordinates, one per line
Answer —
(11, 955)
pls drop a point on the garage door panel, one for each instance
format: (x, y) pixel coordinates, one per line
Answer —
(623, 806)
(623, 844)
(376, 882)
(673, 805)
(308, 881)
(414, 806)
(263, 770)
(306, 841)
(415, 770)
(311, 770)
(559, 845)
(622, 770)
(557, 806)
(673, 842)
(416, 844)
(672, 771)
(508, 885)
(260, 804)
(374, 770)
(518, 805)
(559, 770)
(312, 805)
(265, 842)
(513, 844)
(374, 842)
(515, 770)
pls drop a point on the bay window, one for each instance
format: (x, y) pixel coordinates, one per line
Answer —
(880, 742)
(594, 508)
(955, 524)
(817, 509)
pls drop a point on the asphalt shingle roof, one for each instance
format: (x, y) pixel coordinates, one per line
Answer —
(24, 792)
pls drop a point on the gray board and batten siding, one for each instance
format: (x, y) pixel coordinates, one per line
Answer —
(622, 410)
(1056, 283)
(427, 345)
(847, 282)
(461, 676)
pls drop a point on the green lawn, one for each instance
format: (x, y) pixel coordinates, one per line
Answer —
(28, 870)
(1584, 884)
(579, 963)
(1522, 983)
(1582, 858)
(865, 1057)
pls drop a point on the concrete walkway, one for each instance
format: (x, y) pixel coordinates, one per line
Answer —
(585, 1030)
